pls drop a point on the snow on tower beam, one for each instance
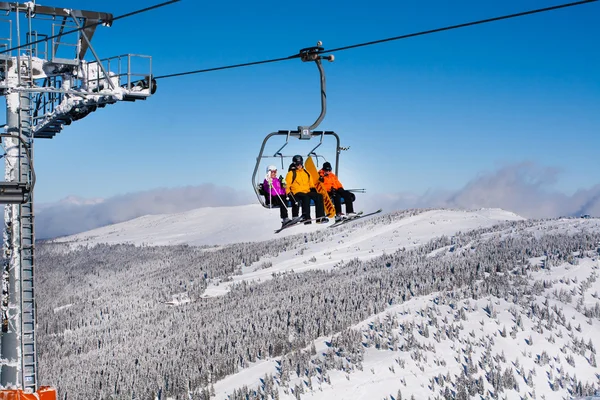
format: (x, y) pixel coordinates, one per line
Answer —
(91, 18)
(57, 11)
(70, 96)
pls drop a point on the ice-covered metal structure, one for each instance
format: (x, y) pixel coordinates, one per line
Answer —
(51, 76)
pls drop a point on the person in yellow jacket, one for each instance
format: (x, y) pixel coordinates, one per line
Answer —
(300, 187)
(336, 191)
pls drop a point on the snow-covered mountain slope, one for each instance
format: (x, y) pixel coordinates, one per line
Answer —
(422, 303)
(535, 343)
(253, 223)
(365, 239)
(446, 346)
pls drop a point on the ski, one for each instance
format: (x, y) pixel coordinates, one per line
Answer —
(294, 222)
(359, 215)
(337, 223)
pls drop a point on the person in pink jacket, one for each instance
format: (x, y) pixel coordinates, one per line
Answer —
(275, 193)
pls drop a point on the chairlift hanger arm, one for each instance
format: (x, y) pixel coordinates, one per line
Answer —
(314, 54)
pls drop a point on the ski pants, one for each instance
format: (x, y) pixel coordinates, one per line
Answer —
(337, 195)
(277, 201)
(305, 199)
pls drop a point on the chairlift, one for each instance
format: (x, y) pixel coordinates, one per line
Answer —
(18, 192)
(303, 132)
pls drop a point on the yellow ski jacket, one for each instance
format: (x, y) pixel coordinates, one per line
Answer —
(301, 183)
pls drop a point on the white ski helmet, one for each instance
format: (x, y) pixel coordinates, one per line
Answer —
(271, 168)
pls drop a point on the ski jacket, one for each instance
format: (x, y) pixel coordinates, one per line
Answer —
(329, 181)
(298, 181)
(273, 187)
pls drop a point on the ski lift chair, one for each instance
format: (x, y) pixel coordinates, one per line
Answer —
(262, 195)
(303, 132)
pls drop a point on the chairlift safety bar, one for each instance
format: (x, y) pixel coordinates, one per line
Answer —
(278, 154)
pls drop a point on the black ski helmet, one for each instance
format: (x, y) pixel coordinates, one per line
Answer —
(327, 166)
(297, 159)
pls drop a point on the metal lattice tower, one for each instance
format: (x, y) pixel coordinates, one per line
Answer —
(48, 83)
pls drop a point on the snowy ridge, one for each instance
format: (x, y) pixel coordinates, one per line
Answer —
(253, 223)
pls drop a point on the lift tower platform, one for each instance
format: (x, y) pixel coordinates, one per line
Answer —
(48, 83)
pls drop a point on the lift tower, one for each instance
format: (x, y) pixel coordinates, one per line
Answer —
(48, 83)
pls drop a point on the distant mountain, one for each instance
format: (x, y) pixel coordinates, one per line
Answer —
(69, 201)
(413, 304)
(73, 215)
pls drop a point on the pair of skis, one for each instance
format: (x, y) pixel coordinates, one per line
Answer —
(295, 221)
(359, 215)
(298, 220)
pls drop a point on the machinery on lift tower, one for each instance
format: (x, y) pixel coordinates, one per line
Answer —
(47, 84)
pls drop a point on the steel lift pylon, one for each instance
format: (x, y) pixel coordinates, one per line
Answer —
(48, 83)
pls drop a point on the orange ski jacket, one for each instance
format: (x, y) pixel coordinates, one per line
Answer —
(330, 181)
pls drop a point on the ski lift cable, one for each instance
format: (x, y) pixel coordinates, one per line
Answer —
(406, 36)
(464, 25)
(228, 67)
(90, 25)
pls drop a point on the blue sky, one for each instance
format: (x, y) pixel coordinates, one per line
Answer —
(421, 114)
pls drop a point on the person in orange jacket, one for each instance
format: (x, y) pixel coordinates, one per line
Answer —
(300, 188)
(336, 191)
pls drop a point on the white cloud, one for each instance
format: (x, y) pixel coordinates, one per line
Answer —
(523, 188)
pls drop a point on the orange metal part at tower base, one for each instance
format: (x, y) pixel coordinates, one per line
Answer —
(44, 393)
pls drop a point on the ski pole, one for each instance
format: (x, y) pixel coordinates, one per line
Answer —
(283, 202)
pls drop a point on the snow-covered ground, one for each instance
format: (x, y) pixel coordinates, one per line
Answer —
(493, 328)
(517, 342)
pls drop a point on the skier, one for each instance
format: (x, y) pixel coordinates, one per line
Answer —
(276, 193)
(300, 187)
(336, 191)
